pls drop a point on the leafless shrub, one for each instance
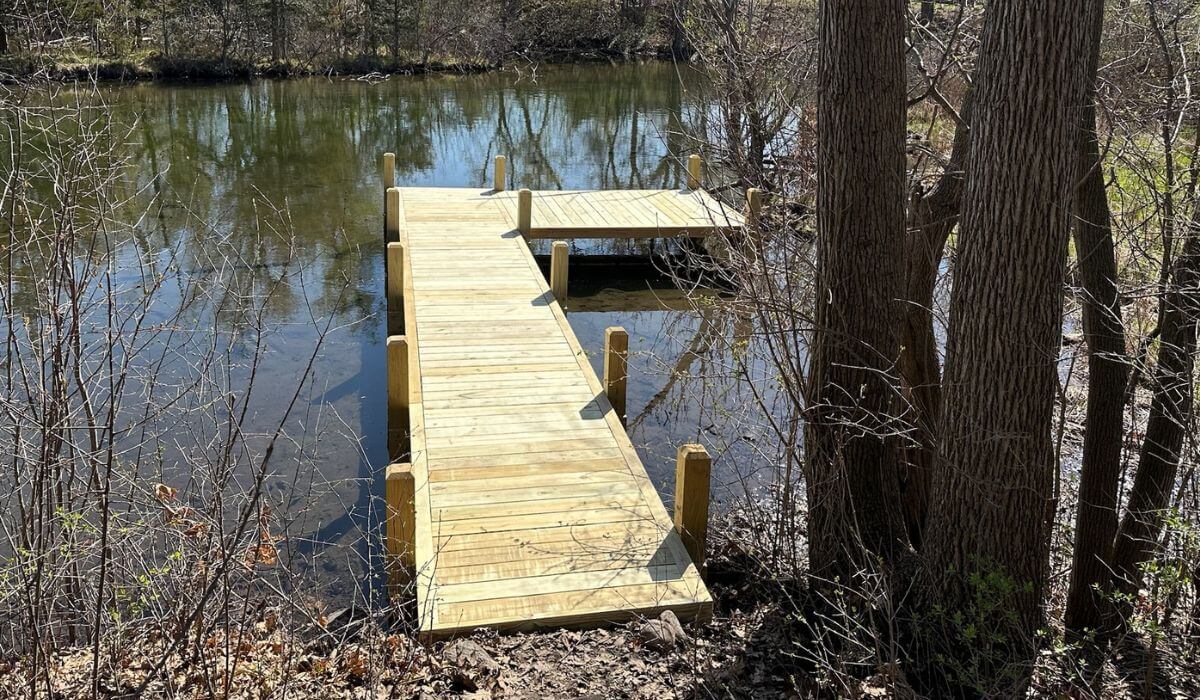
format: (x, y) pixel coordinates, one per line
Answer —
(139, 432)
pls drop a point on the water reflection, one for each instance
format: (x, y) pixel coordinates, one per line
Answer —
(279, 174)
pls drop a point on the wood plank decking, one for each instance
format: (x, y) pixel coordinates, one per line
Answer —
(621, 213)
(532, 507)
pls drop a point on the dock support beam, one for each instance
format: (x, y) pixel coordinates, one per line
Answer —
(499, 174)
(397, 392)
(693, 468)
(524, 211)
(558, 270)
(394, 267)
(391, 218)
(693, 172)
(389, 171)
(400, 524)
(616, 368)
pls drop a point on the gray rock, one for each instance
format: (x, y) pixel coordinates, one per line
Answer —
(475, 667)
(663, 634)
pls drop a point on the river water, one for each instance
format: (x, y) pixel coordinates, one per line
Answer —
(252, 165)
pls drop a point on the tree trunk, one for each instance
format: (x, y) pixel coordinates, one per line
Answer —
(276, 31)
(1170, 411)
(1108, 370)
(931, 218)
(992, 485)
(166, 29)
(679, 42)
(853, 485)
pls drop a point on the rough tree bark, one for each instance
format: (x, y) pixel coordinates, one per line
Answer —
(853, 485)
(931, 218)
(1170, 410)
(992, 485)
(1108, 368)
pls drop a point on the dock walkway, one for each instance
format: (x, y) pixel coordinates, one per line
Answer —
(522, 500)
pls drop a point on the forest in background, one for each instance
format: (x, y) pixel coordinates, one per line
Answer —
(238, 38)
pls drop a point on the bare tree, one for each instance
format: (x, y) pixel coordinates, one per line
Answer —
(1108, 367)
(852, 471)
(991, 504)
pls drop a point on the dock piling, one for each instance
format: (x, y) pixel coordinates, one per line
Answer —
(395, 288)
(499, 174)
(391, 220)
(693, 468)
(753, 205)
(558, 270)
(397, 392)
(389, 171)
(693, 172)
(524, 211)
(616, 368)
(400, 537)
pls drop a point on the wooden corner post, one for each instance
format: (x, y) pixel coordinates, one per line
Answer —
(693, 469)
(499, 174)
(524, 211)
(558, 270)
(391, 218)
(395, 288)
(397, 402)
(616, 368)
(400, 524)
(693, 172)
(753, 206)
(389, 171)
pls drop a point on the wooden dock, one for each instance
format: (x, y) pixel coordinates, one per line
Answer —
(516, 499)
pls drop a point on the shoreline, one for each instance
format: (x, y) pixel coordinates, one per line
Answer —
(204, 71)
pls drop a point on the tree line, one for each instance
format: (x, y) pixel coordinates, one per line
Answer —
(940, 474)
(976, 286)
(324, 34)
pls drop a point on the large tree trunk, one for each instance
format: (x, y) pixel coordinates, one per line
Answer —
(992, 485)
(852, 480)
(931, 218)
(1108, 369)
(1170, 411)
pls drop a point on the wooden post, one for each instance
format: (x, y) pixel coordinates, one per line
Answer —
(400, 523)
(524, 211)
(616, 368)
(397, 386)
(558, 270)
(391, 219)
(693, 468)
(753, 206)
(389, 171)
(395, 288)
(693, 172)
(498, 177)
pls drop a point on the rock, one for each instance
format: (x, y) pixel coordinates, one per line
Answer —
(475, 667)
(663, 634)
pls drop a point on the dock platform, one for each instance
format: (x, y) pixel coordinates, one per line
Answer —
(517, 500)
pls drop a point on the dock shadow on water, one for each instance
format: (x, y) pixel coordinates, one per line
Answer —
(206, 158)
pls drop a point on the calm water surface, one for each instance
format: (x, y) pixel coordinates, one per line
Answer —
(311, 147)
